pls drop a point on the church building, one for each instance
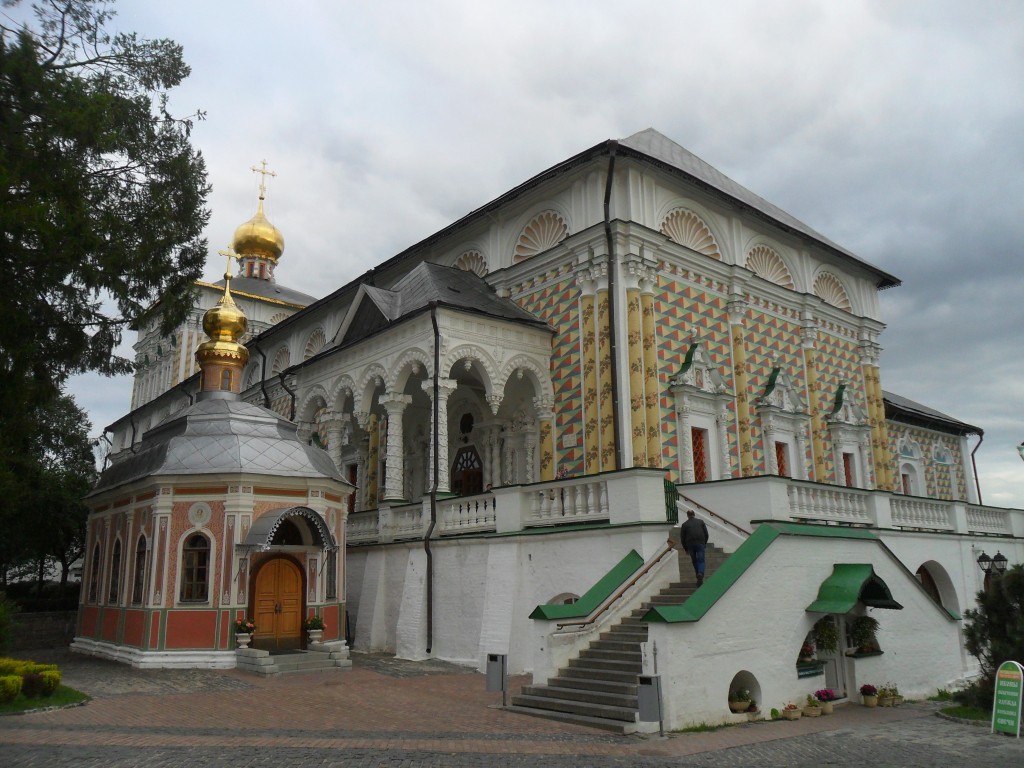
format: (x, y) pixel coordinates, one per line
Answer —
(524, 401)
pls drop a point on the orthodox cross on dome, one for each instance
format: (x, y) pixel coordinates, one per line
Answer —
(263, 172)
(230, 254)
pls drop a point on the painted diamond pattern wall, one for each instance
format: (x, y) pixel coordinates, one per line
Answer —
(773, 339)
(838, 360)
(557, 304)
(942, 481)
(688, 309)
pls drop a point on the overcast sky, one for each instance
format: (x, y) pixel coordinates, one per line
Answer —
(893, 128)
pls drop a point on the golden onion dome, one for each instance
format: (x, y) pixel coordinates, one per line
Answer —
(258, 237)
(225, 323)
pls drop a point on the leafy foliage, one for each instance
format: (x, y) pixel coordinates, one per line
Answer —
(994, 633)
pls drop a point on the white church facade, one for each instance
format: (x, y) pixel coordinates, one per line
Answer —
(625, 326)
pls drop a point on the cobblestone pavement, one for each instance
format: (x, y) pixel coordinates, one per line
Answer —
(392, 713)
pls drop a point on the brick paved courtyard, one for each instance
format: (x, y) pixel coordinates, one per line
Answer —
(387, 712)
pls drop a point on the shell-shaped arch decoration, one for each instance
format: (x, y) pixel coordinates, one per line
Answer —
(472, 261)
(689, 230)
(546, 230)
(828, 288)
(765, 262)
(317, 340)
(281, 360)
(275, 319)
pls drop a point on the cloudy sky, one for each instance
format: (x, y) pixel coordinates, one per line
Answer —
(894, 128)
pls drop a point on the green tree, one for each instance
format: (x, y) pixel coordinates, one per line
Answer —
(994, 631)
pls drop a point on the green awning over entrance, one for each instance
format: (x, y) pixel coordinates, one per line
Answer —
(849, 583)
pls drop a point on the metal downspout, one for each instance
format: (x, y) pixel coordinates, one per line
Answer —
(612, 146)
(291, 394)
(433, 487)
(974, 465)
(263, 375)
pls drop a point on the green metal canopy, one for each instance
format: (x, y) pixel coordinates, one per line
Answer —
(849, 583)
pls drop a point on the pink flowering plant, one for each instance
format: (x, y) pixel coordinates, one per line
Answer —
(868, 690)
(825, 694)
(244, 626)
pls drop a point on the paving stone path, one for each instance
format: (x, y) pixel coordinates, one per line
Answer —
(390, 713)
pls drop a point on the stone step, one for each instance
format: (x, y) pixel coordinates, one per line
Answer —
(608, 665)
(603, 711)
(631, 655)
(605, 724)
(593, 673)
(626, 645)
(588, 684)
(581, 694)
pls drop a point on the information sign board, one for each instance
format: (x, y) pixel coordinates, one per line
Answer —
(1006, 706)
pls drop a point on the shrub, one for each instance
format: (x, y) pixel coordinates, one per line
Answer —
(7, 611)
(10, 687)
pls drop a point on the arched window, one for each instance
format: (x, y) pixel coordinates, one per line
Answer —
(114, 593)
(139, 582)
(195, 569)
(94, 574)
(225, 380)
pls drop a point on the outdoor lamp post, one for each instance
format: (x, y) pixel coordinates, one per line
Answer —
(999, 563)
(985, 563)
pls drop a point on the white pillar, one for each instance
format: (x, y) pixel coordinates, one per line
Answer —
(445, 388)
(394, 479)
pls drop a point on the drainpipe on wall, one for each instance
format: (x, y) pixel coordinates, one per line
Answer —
(291, 394)
(612, 146)
(263, 374)
(433, 488)
(974, 465)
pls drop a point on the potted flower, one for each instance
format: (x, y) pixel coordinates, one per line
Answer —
(314, 627)
(826, 635)
(739, 700)
(864, 634)
(870, 695)
(812, 708)
(826, 696)
(887, 695)
(897, 699)
(791, 712)
(244, 629)
(806, 653)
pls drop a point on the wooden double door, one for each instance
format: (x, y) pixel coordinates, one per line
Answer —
(278, 605)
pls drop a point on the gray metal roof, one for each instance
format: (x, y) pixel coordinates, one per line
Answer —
(267, 290)
(661, 148)
(221, 435)
(904, 409)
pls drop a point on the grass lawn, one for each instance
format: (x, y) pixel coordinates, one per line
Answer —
(61, 697)
(967, 713)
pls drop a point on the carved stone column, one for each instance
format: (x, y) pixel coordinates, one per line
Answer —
(394, 468)
(445, 389)
(685, 441)
(546, 438)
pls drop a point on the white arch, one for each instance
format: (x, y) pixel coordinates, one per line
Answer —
(309, 405)
(538, 230)
(947, 590)
(316, 341)
(368, 383)
(343, 388)
(831, 289)
(689, 229)
(282, 359)
(400, 371)
(767, 263)
(490, 369)
(541, 376)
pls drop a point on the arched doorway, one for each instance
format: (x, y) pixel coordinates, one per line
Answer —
(278, 612)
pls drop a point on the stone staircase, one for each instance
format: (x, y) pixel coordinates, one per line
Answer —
(599, 687)
(321, 657)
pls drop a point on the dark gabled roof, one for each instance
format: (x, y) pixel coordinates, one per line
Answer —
(427, 284)
(904, 410)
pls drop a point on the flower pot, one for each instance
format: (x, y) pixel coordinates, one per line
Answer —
(827, 707)
(885, 701)
(315, 635)
(739, 706)
(242, 639)
(792, 714)
(870, 701)
(812, 711)
(897, 700)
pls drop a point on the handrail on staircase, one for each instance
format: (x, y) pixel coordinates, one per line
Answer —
(715, 515)
(666, 549)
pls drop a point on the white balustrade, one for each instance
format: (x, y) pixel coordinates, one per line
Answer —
(362, 526)
(988, 520)
(820, 502)
(468, 514)
(408, 522)
(562, 502)
(911, 512)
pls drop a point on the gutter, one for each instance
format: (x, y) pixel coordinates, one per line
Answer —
(612, 264)
(291, 394)
(263, 373)
(974, 465)
(433, 487)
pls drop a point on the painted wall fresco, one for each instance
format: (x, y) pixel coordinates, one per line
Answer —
(943, 468)
(838, 360)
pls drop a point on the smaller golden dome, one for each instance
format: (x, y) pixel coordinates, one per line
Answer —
(258, 237)
(225, 324)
